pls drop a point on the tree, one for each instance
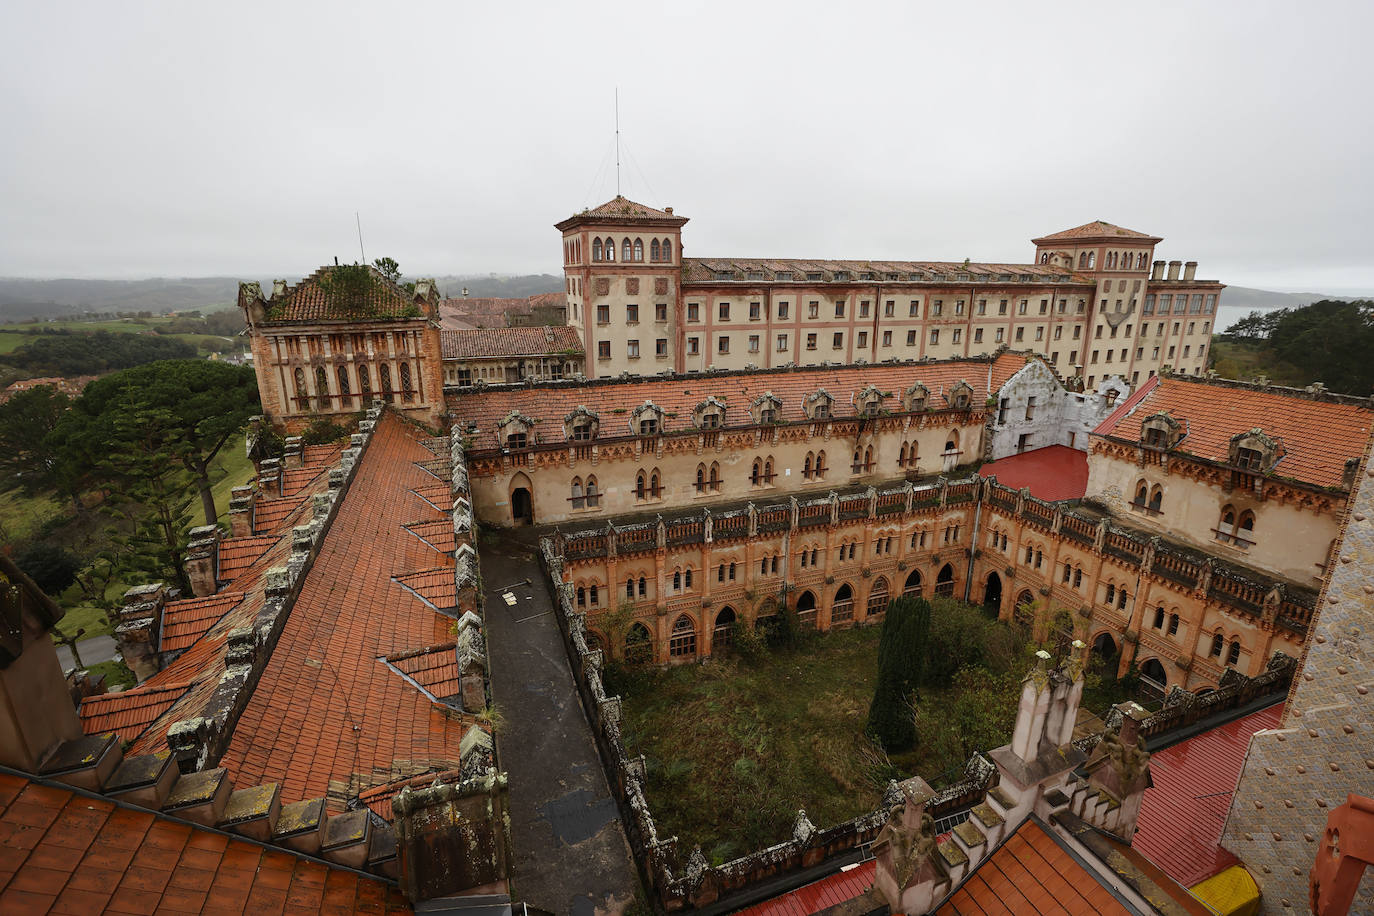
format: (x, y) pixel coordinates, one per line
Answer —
(51, 568)
(901, 663)
(25, 421)
(132, 424)
(1331, 341)
(389, 269)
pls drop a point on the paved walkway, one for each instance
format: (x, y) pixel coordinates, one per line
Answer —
(571, 856)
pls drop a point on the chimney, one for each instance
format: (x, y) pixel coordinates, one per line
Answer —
(1041, 749)
(293, 456)
(668, 210)
(1190, 270)
(1120, 768)
(270, 477)
(140, 626)
(1173, 269)
(1158, 272)
(906, 875)
(36, 711)
(241, 512)
(465, 292)
(202, 560)
(278, 289)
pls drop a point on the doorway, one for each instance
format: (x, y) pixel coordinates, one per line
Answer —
(521, 506)
(992, 594)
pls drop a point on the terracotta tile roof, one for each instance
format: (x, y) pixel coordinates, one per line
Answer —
(325, 714)
(237, 554)
(1182, 815)
(680, 395)
(310, 300)
(1097, 229)
(315, 456)
(270, 516)
(549, 300)
(62, 852)
(1318, 436)
(820, 895)
(434, 668)
(438, 495)
(437, 534)
(1053, 473)
(1031, 873)
(495, 343)
(378, 798)
(708, 270)
(481, 312)
(434, 586)
(621, 209)
(130, 712)
(184, 622)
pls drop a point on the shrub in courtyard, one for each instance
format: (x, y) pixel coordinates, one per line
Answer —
(901, 661)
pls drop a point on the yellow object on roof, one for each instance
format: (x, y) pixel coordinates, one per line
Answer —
(1231, 892)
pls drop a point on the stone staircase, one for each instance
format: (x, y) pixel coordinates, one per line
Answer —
(354, 839)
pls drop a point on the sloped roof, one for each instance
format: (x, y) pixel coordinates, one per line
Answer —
(1319, 436)
(130, 712)
(237, 554)
(705, 270)
(184, 622)
(613, 400)
(496, 343)
(1052, 473)
(1182, 815)
(68, 853)
(1097, 229)
(434, 668)
(621, 209)
(313, 300)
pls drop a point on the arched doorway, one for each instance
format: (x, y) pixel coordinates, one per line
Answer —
(639, 646)
(944, 582)
(682, 642)
(992, 594)
(521, 500)
(912, 588)
(724, 631)
(949, 458)
(1153, 678)
(842, 609)
(806, 609)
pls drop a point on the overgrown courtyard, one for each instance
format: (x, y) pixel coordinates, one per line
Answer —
(735, 745)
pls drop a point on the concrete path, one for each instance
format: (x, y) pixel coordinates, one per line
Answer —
(93, 650)
(571, 856)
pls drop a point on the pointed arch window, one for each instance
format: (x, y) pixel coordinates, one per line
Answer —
(682, 642)
(655, 251)
(609, 250)
(877, 597)
(321, 388)
(596, 249)
(1218, 643)
(302, 395)
(626, 251)
(593, 497)
(407, 391)
(364, 381)
(345, 392)
(667, 249)
(385, 372)
(639, 249)
(1156, 498)
(1233, 655)
(578, 497)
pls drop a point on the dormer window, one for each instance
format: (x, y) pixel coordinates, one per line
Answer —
(515, 431)
(917, 397)
(709, 414)
(648, 426)
(582, 432)
(581, 425)
(870, 402)
(710, 421)
(768, 415)
(1255, 452)
(961, 395)
(1250, 459)
(821, 412)
(819, 406)
(1160, 431)
(1157, 438)
(646, 420)
(517, 440)
(766, 408)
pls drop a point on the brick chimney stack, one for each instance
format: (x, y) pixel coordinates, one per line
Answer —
(202, 560)
(140, 626)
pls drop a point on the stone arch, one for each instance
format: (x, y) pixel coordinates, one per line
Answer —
(878, 598)
(944, 581)
(912, 587)
(992, 593)
(639, 645)
(521, 500)
(723, 633)
(1152, 670)
(682, 639)
(842, 606)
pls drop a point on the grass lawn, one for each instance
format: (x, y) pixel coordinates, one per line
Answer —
(22, 516)
(9, 341)
(1252, 359)
(116, 672)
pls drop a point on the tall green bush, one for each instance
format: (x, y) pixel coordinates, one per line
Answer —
(901, 668)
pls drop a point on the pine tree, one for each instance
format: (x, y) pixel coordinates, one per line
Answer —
(901, 665)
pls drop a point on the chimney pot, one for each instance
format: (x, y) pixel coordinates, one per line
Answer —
(1190, 270)
(1174, 268)
(1158, 272)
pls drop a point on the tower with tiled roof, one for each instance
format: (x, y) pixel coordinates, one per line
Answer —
(344, 334)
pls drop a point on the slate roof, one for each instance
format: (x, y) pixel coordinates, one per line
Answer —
(705, 271)
(681, 394)
(496, 343)
(68, 853)
(130, 712)
(1097, 229)
(183, 622)
(1182, 815)
(1052, 473)
(1318, 436)
(325, 713)
(311, 300)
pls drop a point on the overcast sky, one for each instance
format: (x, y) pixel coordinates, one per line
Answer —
(186, 139)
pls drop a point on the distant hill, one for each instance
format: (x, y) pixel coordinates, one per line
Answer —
(1244, 297)
(21, 298)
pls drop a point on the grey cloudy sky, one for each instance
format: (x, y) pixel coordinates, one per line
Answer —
(179, 138)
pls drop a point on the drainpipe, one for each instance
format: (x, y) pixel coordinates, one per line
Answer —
(973, 547)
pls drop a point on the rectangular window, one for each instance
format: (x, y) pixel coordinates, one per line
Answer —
(1149, 305)
(1002, 307)
(603, 314)
(723, 343)
(863, 339)
(889, 308)
(603, 349)
(1039, 332)
(1030, 407)
(1211, 304)
(863, 309)
(813, 309)
(1044, 306)
(632, 349)
(914, 308)
(1001, 332)
(693, 346)
(661, 347)
(753, 343)
(1020, 334)
(661, 311)
(977, 335)
(693, 311)
(937, 307)
(982, 306)
(724, 309)
(632, 314)
(911, 338)
(1073, 357)
(782, 343)
(838, 341)
(958, 333)
(1186, 348)
(810, 341)
(934, 335)
(782, 309)
(1002, 411)
(887, 338)
(1077, 331)
(1058, 331)
(959, 307)
(1021, 307)
(1164, 304)
(839, 308)
(755, 311)
(1095, 352)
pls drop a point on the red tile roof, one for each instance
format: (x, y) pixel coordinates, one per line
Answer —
(1181, 817)
(613, 400)
(130, 712)
(378, 798)
(270, 515)
(819, 895)
(326, 718)
(1318, 436)
(435, 586)
(1097, 229)
(479, 312)
(1031, 873)
(61, 852)
(312, 300)
(237, 554)
(434, 668)
(494, 343)
(622, 210)
(184, 622)
(438, 495)
(1053, 473)
(705, 270)
(437, 533)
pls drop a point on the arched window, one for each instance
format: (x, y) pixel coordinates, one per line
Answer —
(877, 597)
(944, 582)
(626, 251)
(609, 250)
(715, 476)
(768, 470)
(1077, 577)
(655, 484)
(639, 647)
(1173, 624)
(701, 478)
(654, 250)
(1245, 530)
(596, 249)
(1233, 655)
(1082, 260)
(1217, 643)
(641, 485)
(593, 594)
(842, 610)
(820, 464)
(1111, 594)
(577, 499)
(756, 474)
(1159, 617)
(724, 631)
(364, 381)
(385, 372)
(302, 396)
(1068, 570)
(912, 588)
(1226, 528)
(345, 393)
(901, 457)
(643, 587)
(630, 589)
(1156, 497)
(677, 580)
(1142, 494)
(407, 392)
(593, 497)
(807, 465)
(321, 388)
(667, 250)
(1092, 260)
(639, 250)
(682, 642)
(581, 596)
(1121, 599)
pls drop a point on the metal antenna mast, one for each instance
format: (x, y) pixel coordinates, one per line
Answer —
(360, 235)
(617, 141)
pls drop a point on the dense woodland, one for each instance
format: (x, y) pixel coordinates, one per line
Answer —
(1329, 341)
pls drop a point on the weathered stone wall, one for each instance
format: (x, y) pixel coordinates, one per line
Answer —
(1324, 749)
(1058, 417)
